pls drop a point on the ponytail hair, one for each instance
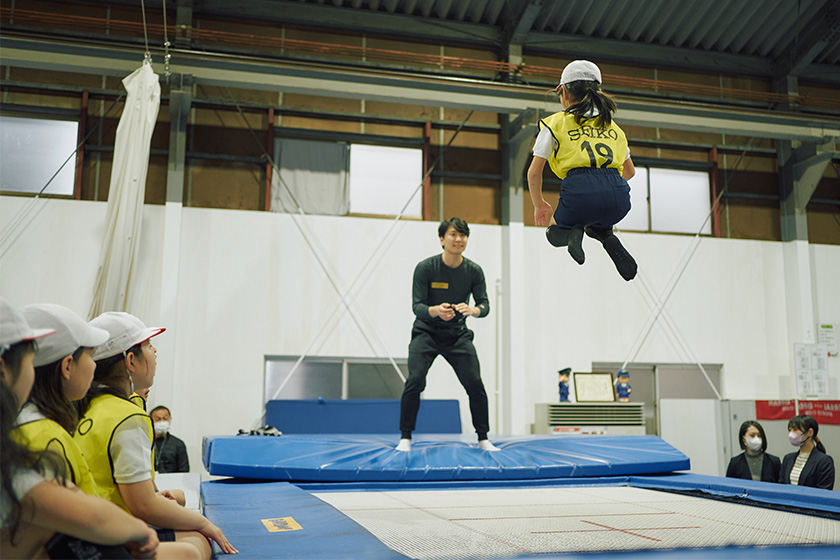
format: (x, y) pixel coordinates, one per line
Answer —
(109, 378)
(586, 95)
(48, 395)
(803, 423)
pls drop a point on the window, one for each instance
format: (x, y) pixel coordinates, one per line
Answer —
(679, 201)
(668, 200)
(383, 178)
(637, 219)
(32, 150)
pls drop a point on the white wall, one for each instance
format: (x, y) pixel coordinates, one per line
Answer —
(250, 286)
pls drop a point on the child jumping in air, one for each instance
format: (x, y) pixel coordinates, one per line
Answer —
(587, 150)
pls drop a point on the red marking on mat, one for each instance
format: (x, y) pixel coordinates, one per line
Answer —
(625, 531)
(574, 516)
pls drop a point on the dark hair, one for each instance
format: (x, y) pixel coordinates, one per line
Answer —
(14, 454)
(803, 423)
(460, 226)
(108, 378)
(48, 396)
(161, 407)
(586, 96)
(743, 431)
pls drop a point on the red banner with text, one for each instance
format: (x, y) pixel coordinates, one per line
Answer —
(824, 412)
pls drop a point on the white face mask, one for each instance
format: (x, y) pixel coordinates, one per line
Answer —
(795, 439)
(161, 428)
(753, 443)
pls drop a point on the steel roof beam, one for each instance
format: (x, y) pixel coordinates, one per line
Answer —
(311, 79)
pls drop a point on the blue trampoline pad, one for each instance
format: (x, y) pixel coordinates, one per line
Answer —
(279, 520)
(282, 520)
(372, 458)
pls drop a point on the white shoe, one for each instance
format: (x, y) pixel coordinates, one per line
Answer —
(404, 445)
(485, 445)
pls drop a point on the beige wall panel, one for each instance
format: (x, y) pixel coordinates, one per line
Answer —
(459, 115)
(824, 224)
(402, 131)
(468, 139)
(689, 136)
(239, 95)
(476, 202)
(298, 101)
(229, 119)
(469, 160)
(752, 219)
(156, 180)
(17, 74)
(42, 100)
(384, 108)
(228, 141)
(227, 185)
(321, 124)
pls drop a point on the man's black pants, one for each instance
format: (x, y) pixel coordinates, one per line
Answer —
(455, 345)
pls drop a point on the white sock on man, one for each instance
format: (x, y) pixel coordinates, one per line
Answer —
(485, 445)
(404, 445)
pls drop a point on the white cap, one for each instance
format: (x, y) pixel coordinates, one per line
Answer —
(14, 328)
(580, 70)
(71, 332)
(125, 331)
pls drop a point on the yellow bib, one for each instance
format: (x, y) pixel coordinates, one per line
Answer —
(584, 145)
(44, 433)
(95, 434)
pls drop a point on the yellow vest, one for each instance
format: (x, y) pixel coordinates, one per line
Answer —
(584, 145)
(44, 433)
(95, 434)
(138, 400)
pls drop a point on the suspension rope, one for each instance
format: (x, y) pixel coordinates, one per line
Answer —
(147, 56)
(678, 272)
(345, 303)
(372, 258)
(18, 224)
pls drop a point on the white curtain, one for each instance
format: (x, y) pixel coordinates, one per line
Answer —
(127, 192)
(315, 173)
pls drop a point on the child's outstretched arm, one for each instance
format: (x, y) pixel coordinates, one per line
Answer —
(542, 209)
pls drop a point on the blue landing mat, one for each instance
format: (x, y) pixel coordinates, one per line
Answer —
(372, 458)
(239, 509)
(358, 416)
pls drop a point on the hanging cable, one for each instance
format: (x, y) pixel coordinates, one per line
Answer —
(682, 265)
(166, 45)
(147, 56)
(345, 293)
(18, 224)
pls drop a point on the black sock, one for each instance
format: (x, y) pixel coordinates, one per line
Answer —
(575, 241)
(624, 261)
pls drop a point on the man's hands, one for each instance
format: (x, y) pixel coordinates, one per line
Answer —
(447, 311)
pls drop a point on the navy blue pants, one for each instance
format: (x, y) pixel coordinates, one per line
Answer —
(456, 347)
(592, 196)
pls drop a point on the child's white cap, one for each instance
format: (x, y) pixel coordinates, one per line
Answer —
(14, 328)
(71, 332)
(580, 70)
(125, 331)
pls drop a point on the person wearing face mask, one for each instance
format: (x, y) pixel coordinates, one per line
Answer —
(810, 466)
(170, 451)
(754, 463)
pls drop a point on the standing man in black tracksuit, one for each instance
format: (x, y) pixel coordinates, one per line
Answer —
(441, 296)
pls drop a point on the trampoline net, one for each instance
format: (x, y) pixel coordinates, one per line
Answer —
(498, 523)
